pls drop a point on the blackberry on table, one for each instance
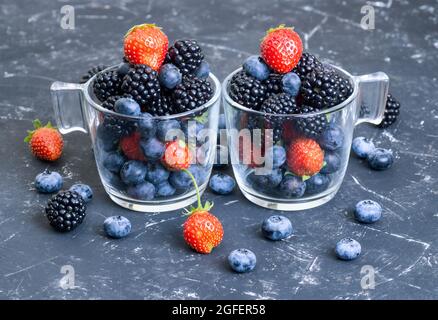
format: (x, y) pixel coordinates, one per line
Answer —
(392, 111)
(91, 72)
(186, 55)
(308, 63)
(106, 84)
(191, 93)
(324, 88)
(247, 90)
(142, 84)
(66, 210)
(273, 84)
(311, 126)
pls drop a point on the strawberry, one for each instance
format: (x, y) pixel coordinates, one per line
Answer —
(46, 142)
(203, 231)
(281, 49)
(130, 146)
(305, 157)
(177, 155)
(146, 44)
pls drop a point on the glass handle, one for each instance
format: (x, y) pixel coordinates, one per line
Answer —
(68, 105)
(373, 91)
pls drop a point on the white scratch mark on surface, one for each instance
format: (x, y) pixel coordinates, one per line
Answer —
(309, 35)
(380, 4)
(30, 267)
(224, 48)
(325, 14)
(406, 238)
(230, 202)
(419, 154)
(256, 295)
(9, 238)
(150, 224)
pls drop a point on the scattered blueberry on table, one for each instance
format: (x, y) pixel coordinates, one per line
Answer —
(380, 159)
(48, 181)
(222, 183)
(348, 249)
(277, 227)
(117, 227)
(362, 147)
(368, 211)
(242, 260)
(83, 190)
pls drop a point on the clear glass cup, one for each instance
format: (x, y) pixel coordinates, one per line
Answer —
(259, 180)
(77, 109)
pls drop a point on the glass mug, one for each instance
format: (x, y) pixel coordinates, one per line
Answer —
(265, 186)
(77, 109)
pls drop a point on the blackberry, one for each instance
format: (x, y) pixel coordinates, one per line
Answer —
(308, 63)
(91, 72)
(191, 93)
(281, 103)
(107, 84)
(142, 83)
(109, 103)
(392, 111)
(273, 84)
(275, 133)
(247, 91)
(163, 107)
(66, 210)
(324, 88)
(116, 128)
(311, 126)
(186, 55)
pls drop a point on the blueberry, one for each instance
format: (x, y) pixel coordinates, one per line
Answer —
(222, 124)
(114, 161)
(180, 180)
(332, 138)
(222, 183)
(368, 211)
(192, 130)
(48, 182)
(152, 148)
(275, 155)
(267, 181)
(348, 249)
(317, 183)
(106, 139)
(123, 70)
(127, 106)
(277, 227)
(362, 147)
(200, 173)
(291, 83)
(332, 162)
(292, 186)
(84, 190)
(133, 172)
(117, 227)
(165, 189)
(169, 76)
(242, 260)
(142, 191)
(256, 67)
(221, 157)
(168, 129)
(203, 70)
(147, 125)
(157, 173)
(380, 159)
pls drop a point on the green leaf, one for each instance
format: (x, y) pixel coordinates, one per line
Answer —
(203, 118)
(305, 178)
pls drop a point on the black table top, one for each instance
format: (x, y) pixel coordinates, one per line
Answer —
(154, 262)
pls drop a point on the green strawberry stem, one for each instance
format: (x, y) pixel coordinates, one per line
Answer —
(37, 125)
(208, 205)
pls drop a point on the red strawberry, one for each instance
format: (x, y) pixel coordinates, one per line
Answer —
(146, 44)
(203, 231)
(130, 146)
(46, 142)
(305, 157)
(177, 155)
(281, 49)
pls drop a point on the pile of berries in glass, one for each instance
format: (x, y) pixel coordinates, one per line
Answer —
(161, 100)
(292, 119)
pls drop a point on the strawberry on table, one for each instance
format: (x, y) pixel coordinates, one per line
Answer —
(45, 142)
(281, 49)
(146, 44)
(305, 157)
